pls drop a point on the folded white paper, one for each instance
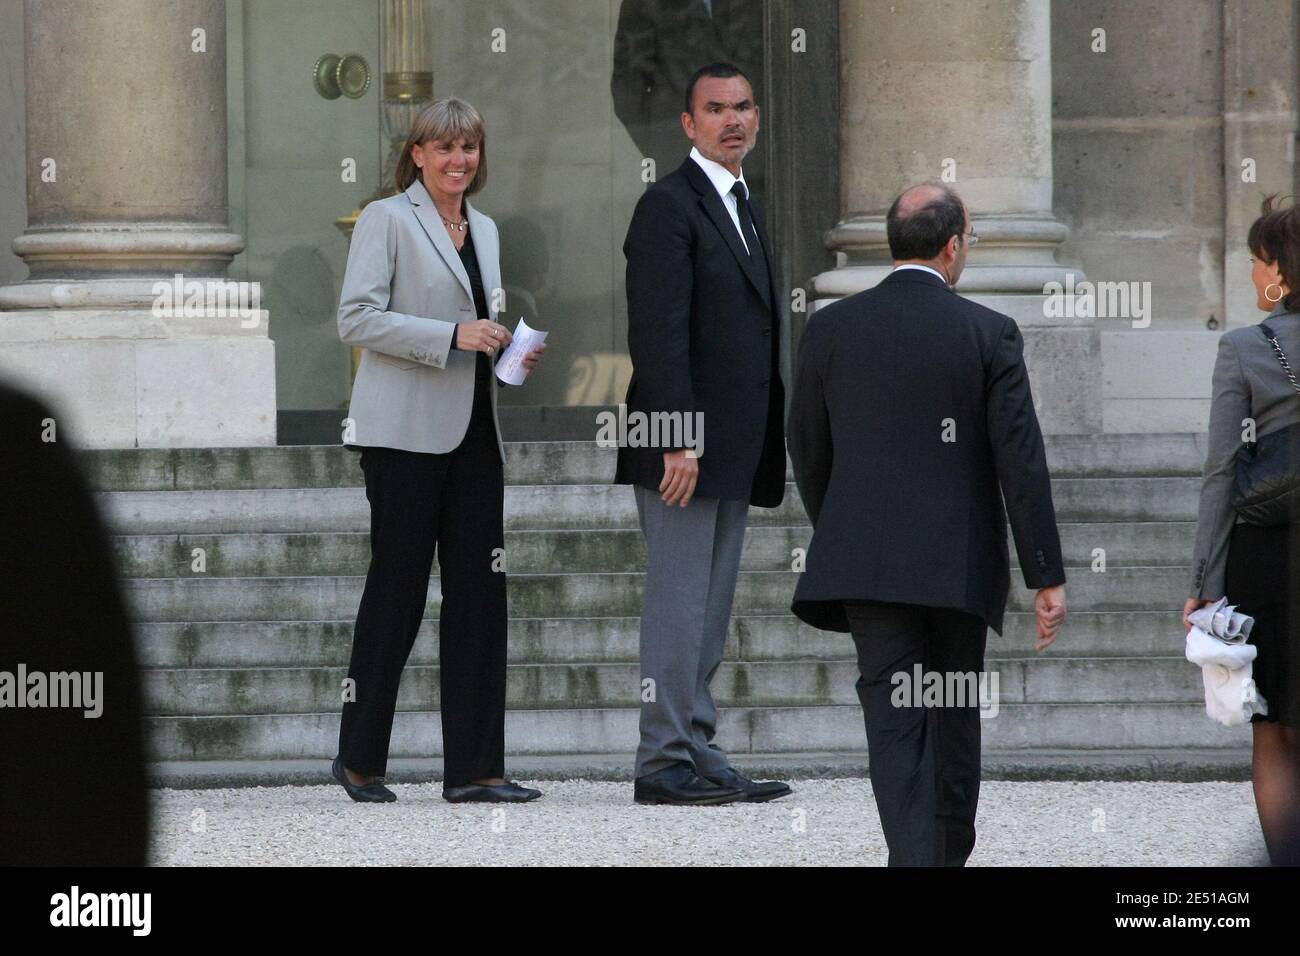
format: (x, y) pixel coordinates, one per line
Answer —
(510, 367)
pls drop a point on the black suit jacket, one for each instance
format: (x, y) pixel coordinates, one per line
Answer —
(703, 332)
(899, 514)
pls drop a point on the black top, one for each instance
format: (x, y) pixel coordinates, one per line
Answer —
(483, 365)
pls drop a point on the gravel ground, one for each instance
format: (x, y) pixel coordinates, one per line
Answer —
(579, 822)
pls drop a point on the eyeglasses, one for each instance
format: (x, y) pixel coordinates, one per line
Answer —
(971, 238)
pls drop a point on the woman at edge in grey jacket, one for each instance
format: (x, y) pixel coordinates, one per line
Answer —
(1258, 568)
(419, 297)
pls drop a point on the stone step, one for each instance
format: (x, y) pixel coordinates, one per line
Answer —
(1141, 544)
(773, 730)
(613, 640)
(1126, 499)
(298, 510)
(316, 466)
(613, 594)
(305, 690)
(1179, 454)
(244, 660)
(578, 507)
(1182, 765)
(332, 466)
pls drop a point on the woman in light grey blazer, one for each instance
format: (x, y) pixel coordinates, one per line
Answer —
(1258, 568)
(420, 297)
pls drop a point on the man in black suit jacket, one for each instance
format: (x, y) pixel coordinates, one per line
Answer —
(704, 329)
(911, 422)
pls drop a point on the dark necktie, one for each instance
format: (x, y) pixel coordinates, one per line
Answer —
(757, 259)
(746, 219)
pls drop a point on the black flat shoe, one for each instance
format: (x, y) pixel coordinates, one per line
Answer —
(755, 791)
(374, 792)
(508, 792)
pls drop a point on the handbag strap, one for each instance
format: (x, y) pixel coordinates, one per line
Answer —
(1281, 356)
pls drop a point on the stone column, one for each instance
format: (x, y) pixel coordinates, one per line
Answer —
(1259, 128)
(126, 189)
(961, 94)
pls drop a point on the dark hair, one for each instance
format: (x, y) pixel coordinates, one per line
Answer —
(720, 70)
(924, 233)
(1275, 237)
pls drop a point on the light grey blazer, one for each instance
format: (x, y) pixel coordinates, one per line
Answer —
(404, 291)
(1248, 383)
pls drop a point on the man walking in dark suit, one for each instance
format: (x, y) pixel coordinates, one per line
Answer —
(911, 422)
(703, 335)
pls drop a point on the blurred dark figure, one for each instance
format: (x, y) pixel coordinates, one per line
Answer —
(658, 47)
(74, 790)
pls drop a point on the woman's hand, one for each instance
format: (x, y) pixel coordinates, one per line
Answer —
(1193, 604)
(532, 358)
(482, 335)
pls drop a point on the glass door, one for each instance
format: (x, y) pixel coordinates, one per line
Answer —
(582, 102)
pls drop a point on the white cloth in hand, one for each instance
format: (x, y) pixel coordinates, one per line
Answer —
(1217, 642)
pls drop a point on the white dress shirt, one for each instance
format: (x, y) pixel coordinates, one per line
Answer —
(722, 181)
(913, 265)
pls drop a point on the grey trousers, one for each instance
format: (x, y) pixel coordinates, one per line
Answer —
(690, 583)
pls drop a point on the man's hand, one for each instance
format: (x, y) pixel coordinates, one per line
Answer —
(681, 472)
(482, 335)
(1049, 610)
(1193, 604)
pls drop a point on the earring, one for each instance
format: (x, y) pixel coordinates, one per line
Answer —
(1270, 298)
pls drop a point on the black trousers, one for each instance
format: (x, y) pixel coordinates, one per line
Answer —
(925, 761)
(419, 503)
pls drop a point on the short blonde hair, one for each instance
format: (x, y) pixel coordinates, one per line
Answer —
(442, 121)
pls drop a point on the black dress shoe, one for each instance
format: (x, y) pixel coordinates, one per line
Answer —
(678, 785)
(508, 792)
(373, 792)
(755, 791)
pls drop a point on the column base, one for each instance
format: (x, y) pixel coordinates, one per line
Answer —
(136, 379)
(94, 249)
